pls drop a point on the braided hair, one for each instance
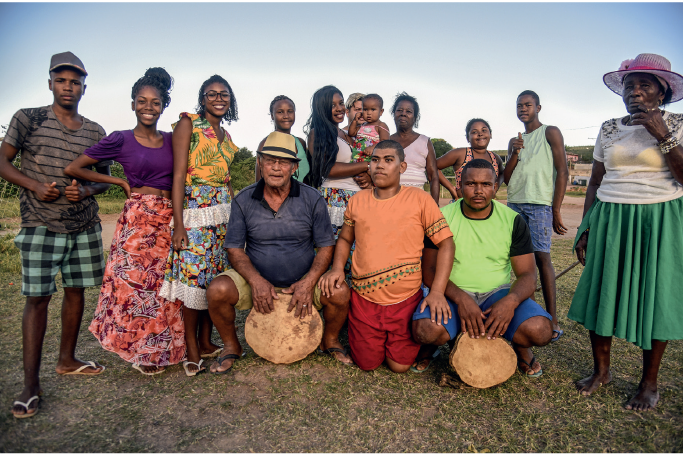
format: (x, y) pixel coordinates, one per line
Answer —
(325, 148)
(156, 78)
(229, 116)
(280, 98)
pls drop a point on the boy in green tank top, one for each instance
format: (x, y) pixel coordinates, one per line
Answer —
(490, 241)
(536, 175)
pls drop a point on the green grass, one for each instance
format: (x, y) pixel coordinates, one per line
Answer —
(318, 405)
(576, 193)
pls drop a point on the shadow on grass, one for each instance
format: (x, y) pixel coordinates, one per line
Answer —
(318, 405)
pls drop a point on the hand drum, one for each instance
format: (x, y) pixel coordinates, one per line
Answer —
(481, 362)
(280, 337)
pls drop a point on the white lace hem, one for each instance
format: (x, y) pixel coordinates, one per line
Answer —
(207, 216)
(336, 215)
(194, 298)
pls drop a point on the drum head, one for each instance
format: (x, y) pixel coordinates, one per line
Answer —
(279, 336)
(481, 362)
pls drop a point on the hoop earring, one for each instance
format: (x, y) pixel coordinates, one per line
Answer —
(660, 102)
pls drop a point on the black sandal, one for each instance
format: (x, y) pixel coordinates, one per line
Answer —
(220, 360)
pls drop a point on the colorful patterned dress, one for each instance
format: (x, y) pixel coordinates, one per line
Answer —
(366, 137)
(206, 211)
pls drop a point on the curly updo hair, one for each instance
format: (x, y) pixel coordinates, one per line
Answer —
(159, 79)
(280, 98)
(229, 116)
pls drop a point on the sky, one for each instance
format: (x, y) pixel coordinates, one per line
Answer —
(460, 60)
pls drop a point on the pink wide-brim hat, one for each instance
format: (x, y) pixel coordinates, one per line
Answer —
(646, 63)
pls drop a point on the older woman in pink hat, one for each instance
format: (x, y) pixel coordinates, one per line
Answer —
(630, 240)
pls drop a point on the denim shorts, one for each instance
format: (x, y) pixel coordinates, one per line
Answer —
(539, 218)
(526, 310)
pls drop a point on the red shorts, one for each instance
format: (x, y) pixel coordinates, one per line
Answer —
(379, 331)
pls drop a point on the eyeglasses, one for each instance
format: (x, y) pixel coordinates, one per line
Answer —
(212, 95)
(270, 162)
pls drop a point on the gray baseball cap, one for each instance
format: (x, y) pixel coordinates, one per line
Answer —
(67, 59)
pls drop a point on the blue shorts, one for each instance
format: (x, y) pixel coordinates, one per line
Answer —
(526, 310)
(539, 218)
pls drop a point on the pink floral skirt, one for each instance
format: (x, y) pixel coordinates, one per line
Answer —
(131, 319)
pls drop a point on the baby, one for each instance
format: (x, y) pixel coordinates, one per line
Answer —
(366, 130)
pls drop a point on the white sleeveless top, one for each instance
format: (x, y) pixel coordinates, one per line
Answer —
(416, 158)
(343, 156)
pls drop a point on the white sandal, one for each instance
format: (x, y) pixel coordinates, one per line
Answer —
(25, 406)
(189, 373)
(137, 367)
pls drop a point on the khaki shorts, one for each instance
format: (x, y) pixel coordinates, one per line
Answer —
(245, 301)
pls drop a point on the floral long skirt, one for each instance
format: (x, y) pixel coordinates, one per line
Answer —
(131, 320)
(189, 272)
(337, 200)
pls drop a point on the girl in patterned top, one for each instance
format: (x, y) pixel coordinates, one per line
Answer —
(201, 195)
(366, 130)
(478, 134)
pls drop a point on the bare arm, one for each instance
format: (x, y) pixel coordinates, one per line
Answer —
(181, 146)
(334, 278)
(433, 173)
(448, 159)
(515, 145)
(383, 131)
(78, 169)
(302, 289)
(44, 191)
(262, 291)
(354, 126)
(500, 166)
(556, 141)
(597, 173)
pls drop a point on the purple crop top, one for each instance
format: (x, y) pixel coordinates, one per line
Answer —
(143, 166)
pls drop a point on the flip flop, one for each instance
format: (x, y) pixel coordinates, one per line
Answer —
(429, 364)
(331, 351)
(88, 364)
(534, 375)
(559, 334)
(211, 355)
(189, 373)
(137, 367)
(220, 360)
(26, 405)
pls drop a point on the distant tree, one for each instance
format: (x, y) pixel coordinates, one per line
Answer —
(241, 155)
(441, 147)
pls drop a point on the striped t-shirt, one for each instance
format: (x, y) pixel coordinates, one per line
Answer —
(46, 148)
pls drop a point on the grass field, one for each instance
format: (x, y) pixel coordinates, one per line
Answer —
(318, 405)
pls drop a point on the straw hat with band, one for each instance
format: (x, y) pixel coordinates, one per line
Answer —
(67, 59)
(653, 64)
(280, 145)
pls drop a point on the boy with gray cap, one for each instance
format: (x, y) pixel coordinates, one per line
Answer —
(60, 229)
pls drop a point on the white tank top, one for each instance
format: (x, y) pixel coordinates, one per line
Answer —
(343, 156)
(416, 159)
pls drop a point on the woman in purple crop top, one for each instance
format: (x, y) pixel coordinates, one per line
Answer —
(131, 319)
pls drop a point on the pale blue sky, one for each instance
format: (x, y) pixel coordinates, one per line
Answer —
(459, 60)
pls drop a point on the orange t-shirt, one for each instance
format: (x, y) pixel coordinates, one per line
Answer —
(386, 264)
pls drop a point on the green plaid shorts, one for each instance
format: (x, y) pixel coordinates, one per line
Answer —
(44, 253)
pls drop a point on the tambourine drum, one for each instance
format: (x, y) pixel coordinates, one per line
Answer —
(481, 362)
(280, 337)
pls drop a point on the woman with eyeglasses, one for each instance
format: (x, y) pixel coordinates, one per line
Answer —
(201, 196)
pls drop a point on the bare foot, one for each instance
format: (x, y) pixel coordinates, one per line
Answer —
(590, 384)
(152, 368)
(426, 355)
(339, 356)
(221, 364)
(645, 399)
(209, 350)
(26, 394)
(69, 366)
(526, 362)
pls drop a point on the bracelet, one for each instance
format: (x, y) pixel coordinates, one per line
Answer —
(669, 144)
(665, 138)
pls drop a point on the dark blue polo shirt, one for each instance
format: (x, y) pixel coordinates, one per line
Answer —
(280, 244)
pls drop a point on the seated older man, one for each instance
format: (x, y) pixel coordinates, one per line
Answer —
(280, 221)
(490, 241)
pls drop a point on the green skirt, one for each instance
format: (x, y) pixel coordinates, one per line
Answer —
(632, 285)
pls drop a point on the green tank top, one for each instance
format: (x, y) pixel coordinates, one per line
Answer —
(304, 166)
(533, 180)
